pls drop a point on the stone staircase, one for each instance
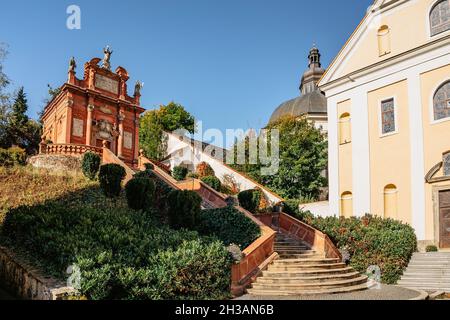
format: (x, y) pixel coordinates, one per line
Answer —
(428, 271)
(302, 271)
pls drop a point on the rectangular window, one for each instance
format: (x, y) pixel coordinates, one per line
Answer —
(388, 116)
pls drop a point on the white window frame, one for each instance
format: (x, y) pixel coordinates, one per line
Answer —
(428, 23)
(380, 119)
(431, 103)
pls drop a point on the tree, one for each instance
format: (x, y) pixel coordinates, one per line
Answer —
(4, 100)
(151, 136)
(20, 129)
(174, 116)
(154, 123)
(303, 158)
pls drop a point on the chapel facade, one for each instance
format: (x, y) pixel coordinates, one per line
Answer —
(95, 111)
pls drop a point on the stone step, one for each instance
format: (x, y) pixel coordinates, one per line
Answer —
(310, 285)
(301, 255)
(305, 250)
(306, 267)
(426, 287)
(309, 279)
(307, 292)
(306, 272)
(290, 247)
(426, 276)
(295, 262)
(424, 282)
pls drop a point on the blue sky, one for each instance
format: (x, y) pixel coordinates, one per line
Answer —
(229, 62)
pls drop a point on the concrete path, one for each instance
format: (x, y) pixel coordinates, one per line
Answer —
(386, 292)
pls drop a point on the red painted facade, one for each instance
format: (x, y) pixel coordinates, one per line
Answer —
(94, 109)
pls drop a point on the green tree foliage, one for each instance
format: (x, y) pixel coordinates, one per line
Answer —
(303, 157)
(151, 136)
(4, 100)
(153, 124)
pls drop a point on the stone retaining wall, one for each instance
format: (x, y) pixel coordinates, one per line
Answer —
(28, 283)
(56, 162)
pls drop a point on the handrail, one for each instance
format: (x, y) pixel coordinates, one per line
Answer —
(255, 257)
(316, 239)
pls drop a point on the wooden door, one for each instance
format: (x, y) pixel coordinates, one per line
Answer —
(444, 219)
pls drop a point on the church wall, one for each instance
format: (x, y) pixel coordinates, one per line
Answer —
(403, 22)
(345, 155)
(436, 137)
(390, 154)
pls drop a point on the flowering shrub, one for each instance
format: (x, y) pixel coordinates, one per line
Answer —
(204, 170)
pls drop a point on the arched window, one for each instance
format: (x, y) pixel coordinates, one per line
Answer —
(346, 204)
(390, 201)
(440, 17)
(441, 102)
(384, 40)
(446, 163)
(345, 133)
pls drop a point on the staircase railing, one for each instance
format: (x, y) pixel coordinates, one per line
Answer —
(295, 228)
(69, 149)
(256, 257)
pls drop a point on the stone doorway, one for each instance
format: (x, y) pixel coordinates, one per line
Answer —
(444, 218)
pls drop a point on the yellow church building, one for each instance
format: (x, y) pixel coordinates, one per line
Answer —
(388, 96)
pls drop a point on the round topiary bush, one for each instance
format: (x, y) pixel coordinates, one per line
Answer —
(149, 166)
(184, 209)
(140, 193)
(110, 177)
(431, 248)
(179, 173)
(249, 200)
(229, 225)
(205, 170)
(90, 165)
(192, 175)
(213, 182)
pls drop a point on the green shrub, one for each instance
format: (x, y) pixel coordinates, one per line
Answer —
(229, 225)
(372, 240)
(184, 208)
(110, 177)
(213, 182)
(249, 200)
(121, 253)
(431, 248)
(149, 166)
(179, 173)
(292, 207)
(140, 193)
(13, 156)
(192, 175)
(90, 165)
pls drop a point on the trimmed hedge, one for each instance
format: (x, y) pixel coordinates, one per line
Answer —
(90, 165)
(110, 177)
(213, 182)
(121, 253)
(140, 193)
(179, 173)
(371, 240)
(229, 225)
(184, 209)
(250, 199)
(13, 156)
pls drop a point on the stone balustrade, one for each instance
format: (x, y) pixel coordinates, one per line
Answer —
(69, 149)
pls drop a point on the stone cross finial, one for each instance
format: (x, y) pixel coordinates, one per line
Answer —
(106, 59)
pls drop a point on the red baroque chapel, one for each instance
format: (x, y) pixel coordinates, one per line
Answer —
(94, 112)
